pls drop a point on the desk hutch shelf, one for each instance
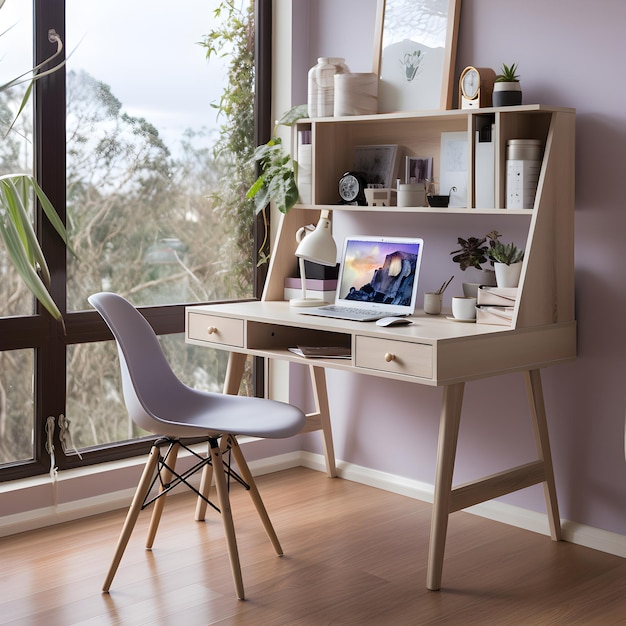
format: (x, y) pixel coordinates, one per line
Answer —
(546, 293)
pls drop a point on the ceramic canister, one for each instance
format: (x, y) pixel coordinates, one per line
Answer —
(356, 94)
(321, 85)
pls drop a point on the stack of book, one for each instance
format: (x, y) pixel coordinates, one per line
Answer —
(495, 305)
(324, 289)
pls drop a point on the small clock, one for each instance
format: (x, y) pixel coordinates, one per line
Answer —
(352, 188)
(476, 87)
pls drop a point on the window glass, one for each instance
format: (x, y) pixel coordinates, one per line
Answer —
(16, 406)
(95, 406)
(16, 155)
(142, 176)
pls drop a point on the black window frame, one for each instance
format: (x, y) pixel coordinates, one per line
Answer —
(39, 331)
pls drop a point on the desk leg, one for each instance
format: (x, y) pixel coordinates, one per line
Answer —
(534, 391)
(446, 452)
(234, 373)
(232, 382)
(320, 394)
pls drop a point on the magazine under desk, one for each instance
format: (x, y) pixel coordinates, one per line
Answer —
(432, 351)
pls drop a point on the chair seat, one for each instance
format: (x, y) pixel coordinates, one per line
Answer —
(204, 413)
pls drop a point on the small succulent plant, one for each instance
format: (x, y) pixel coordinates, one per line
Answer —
(508, 74)
(498, 252)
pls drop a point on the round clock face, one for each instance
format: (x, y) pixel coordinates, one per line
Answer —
(349, 187)
(470, 83)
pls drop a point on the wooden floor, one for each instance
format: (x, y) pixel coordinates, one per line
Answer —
(353, 555)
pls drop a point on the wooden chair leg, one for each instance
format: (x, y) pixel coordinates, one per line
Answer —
(534, 391)
(133, 512)
(255, 495)
(227, 517)
(205, 487)
(159, 504)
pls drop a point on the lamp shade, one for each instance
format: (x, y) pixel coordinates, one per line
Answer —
(318, 246)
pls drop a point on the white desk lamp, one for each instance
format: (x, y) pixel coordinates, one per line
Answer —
(317, 246)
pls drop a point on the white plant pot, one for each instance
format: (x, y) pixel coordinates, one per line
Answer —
(508, 275)
(482, 277)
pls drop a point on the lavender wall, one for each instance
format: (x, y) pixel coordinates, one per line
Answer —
(569, 54)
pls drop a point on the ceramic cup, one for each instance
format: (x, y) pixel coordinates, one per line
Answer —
(432, 303)
(464, 308)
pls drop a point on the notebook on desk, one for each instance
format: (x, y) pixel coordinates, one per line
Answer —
(378, 278)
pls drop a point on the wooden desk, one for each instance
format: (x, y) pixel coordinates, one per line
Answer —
(432, 351)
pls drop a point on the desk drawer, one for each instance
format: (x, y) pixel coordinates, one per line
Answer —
(215, 329)
(399, 357)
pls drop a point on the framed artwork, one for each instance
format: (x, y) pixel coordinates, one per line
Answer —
(418, 169)
(378, 164)
(454, 163)
(414, 53)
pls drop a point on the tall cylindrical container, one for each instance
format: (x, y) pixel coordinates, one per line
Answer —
(523, 165)
(321, 98)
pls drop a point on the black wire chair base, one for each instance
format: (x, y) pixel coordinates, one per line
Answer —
(183, 478)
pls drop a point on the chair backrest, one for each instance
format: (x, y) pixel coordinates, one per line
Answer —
(151, 389)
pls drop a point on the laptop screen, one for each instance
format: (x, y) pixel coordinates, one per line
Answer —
(380, 273)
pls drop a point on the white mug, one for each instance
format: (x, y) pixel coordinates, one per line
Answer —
(464, 308)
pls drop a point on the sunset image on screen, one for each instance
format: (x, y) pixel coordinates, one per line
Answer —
(364, 258)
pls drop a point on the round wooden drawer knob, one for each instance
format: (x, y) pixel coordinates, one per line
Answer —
(389, 357)
(212, 330)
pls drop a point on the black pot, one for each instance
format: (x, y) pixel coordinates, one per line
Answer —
(508, 95)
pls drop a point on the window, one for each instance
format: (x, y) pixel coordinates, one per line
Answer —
(128, 145)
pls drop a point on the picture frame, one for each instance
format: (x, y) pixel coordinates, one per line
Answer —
(379, 164)
(414, 53)
(418, 169)
(454, 168)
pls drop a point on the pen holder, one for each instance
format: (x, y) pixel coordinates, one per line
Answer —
(432, 302)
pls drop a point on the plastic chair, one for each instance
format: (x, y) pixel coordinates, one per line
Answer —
(160, 403)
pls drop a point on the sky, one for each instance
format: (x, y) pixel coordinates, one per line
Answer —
(146, 50)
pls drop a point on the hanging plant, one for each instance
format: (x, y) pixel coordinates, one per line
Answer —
(277, 181)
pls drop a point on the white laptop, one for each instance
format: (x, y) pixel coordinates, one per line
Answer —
(377, 278)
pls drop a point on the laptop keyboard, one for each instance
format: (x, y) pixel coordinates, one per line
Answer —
(352, 312)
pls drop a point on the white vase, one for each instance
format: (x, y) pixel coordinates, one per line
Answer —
(321, 85)
(508, 275)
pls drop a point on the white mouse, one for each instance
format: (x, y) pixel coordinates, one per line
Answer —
(393, 321)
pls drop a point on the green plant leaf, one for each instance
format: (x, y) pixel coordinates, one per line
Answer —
(289, 118)
(18, 234)
(20, 259)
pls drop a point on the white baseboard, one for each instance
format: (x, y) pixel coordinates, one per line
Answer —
(595, 538)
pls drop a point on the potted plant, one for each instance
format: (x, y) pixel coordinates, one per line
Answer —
(473, 253)
(506, 89)
(507, 260)
(16, 192)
